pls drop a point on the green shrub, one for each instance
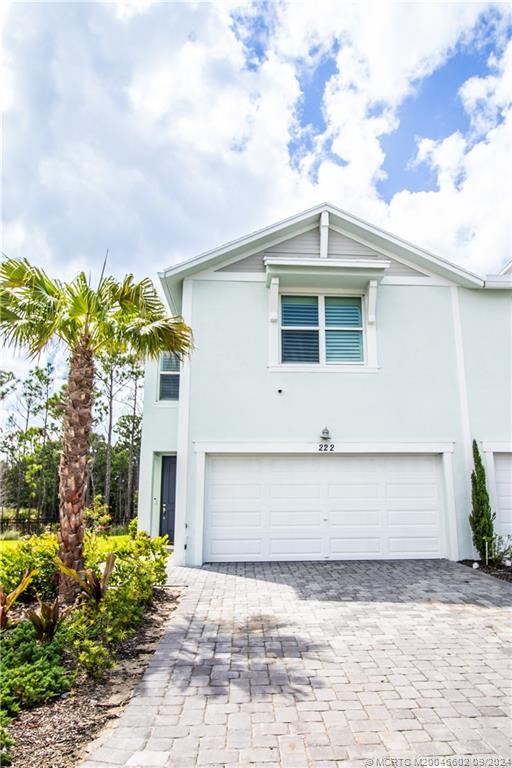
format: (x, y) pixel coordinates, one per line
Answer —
(481, 518)
(132, 527)
(5, 739)
(37, 552)
(97, 517)
(95, 630)
(31, 672)
(147, 550)
(11, 534)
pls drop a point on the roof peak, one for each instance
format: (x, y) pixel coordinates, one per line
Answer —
(351, 225)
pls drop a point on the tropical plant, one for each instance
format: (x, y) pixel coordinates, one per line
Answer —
(7, 600)
(481, 518)
(117, 317)
(46, 618)
(93, 587)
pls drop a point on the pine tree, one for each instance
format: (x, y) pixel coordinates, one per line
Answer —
(481, 518)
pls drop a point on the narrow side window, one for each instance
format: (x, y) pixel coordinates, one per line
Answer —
(169, 379)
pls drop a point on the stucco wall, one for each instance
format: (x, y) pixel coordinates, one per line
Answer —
(413, 397)
(486, 318)
(234, 396)
(159, 435)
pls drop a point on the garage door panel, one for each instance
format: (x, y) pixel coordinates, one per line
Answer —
(414, 546)
(322, 506)
(237, 548)
(292, 517)
(295, 491)
(300, 548)
(344, 517)
(236, 491)
(235, 518)
(361, 490)
(418, 517)
(362, 547)
(410, 490)
(503, 476)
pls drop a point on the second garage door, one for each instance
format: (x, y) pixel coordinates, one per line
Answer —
(322, 507)
(503, 470)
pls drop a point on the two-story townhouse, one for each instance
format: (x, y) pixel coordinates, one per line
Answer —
(327, 411)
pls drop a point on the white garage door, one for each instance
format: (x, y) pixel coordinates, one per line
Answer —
(503, 474)
(322, 507)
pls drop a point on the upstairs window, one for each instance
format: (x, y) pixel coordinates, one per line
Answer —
(169, 383)
(325, 330)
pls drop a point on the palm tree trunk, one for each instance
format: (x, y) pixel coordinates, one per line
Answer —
(108, 452)
(73, 463)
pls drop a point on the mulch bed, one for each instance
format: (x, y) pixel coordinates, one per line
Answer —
(498, 571)
(55, 734)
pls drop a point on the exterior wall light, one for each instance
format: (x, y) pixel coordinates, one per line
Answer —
(325, 435)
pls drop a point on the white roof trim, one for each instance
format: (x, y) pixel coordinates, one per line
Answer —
(290, 261)
(498, 282)
(506, 268)
(293, 222)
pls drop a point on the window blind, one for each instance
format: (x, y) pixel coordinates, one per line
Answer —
(343, 311)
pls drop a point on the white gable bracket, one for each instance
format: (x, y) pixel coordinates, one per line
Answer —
(324, 234)
(273, 316)
(274, 299)
(372, 300)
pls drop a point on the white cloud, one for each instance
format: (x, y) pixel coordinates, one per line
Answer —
(139, 126)
(485, 98)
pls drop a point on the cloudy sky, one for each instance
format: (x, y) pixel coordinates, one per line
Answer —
(161, 129)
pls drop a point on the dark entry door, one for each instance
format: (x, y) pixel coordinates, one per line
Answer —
(168, 496)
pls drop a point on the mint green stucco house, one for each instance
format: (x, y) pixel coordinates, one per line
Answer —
(327, 412)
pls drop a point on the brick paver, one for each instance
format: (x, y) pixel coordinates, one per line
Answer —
(285, 665)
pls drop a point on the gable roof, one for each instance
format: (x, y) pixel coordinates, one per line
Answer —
(349, 225)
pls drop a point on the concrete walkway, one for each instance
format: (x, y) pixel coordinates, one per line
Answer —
(324, 664)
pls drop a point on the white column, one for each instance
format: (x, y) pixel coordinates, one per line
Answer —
(180, 531)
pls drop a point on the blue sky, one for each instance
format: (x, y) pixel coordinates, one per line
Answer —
(158, 129)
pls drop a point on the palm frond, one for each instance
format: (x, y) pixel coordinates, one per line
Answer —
(118, 317)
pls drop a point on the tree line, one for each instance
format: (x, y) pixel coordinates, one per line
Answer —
(31, 442)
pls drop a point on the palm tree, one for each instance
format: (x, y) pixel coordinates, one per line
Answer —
(117, 317)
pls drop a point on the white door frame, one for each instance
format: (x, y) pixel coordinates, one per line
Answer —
(444, 449)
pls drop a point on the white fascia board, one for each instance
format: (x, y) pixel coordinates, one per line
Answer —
(173, 305)
(290, 261)
(501, 282)
(496, 447)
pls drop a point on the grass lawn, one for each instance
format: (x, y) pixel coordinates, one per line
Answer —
(105, 543)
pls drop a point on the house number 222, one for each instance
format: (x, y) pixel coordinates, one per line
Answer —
(325, 447)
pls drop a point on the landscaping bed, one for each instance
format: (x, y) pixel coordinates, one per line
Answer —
(56, 659)
(498, 571)
(55, 734)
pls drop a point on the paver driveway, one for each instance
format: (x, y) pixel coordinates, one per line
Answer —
(324, 664)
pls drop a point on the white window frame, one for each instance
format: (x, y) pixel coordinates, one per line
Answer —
(166, 401)
(367, 365)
